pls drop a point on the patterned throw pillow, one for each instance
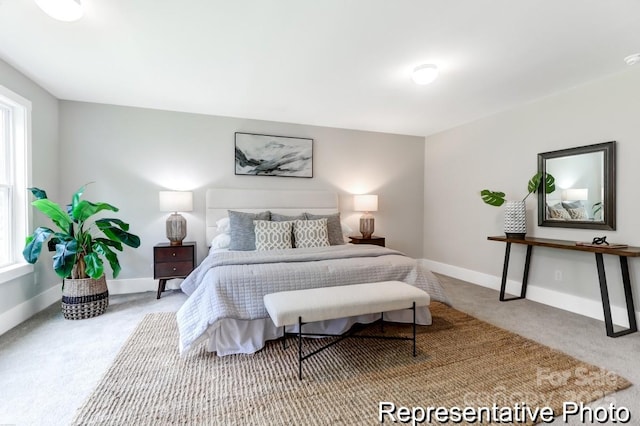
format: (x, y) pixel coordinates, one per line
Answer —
(560, 214)
(578, 214)
(272, 235)
(311, 233)
(277, 217)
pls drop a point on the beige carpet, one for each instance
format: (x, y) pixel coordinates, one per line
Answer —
(461, 362)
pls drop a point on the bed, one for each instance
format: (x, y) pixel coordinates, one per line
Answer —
(225, 307)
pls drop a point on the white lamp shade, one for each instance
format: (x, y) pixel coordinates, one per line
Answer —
(62, 10)
(576, 194)
(365, 203)
(176, 201)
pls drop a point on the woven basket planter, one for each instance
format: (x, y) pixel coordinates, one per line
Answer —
(84, 298)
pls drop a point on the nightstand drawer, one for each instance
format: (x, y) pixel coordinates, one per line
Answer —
(171, 254)
(173, 269)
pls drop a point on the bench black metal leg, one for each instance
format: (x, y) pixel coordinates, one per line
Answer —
(348, 334)
(414, 328)
(606, 303)
(505, 269)
(284, 338)
(299, 348)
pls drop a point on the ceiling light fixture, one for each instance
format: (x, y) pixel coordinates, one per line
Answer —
(632, 59)
(62, 10)
(425, 74)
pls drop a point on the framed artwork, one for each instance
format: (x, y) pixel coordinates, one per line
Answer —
(266, 155)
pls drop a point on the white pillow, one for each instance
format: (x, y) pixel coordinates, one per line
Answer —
(223, 225)
(221, 241)
(272, 235)
(346, 231)
(311, 233)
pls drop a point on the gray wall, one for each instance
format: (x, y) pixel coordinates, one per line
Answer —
(132, 153)
(500, 153)
(44, 148)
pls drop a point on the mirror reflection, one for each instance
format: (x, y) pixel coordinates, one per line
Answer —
(585, 187)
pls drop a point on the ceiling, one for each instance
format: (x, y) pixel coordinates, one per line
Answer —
(337, 63)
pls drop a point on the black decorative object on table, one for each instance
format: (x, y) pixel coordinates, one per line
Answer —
(599, 241)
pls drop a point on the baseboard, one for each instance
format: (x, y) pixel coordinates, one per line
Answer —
(29, 308)
(132, 285)
(140, 285)
(568, 302)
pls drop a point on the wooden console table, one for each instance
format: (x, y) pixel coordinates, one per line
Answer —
(622, 253)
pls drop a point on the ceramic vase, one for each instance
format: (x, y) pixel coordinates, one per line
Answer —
(515, 219)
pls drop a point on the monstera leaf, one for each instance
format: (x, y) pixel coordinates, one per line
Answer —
(496, 198)
(492, 198)
(536, 181)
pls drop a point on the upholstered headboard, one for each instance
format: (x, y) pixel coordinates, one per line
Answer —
(292, 202)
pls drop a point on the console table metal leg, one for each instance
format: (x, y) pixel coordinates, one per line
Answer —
(525, 277)
(606, 303)
(505, 269)
(628, 295)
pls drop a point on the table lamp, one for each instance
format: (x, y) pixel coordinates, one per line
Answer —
(366, 204)
(176, 201)
(576, 194)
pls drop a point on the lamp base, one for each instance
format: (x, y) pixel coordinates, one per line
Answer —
(366, 225)
(176, 229)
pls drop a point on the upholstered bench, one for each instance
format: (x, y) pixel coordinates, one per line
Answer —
(326, 303)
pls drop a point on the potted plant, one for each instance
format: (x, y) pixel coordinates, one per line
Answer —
(515, 225)
(80, 250)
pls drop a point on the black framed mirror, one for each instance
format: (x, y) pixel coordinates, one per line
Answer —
(585, 195)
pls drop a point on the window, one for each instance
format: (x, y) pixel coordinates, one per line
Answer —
(15, 122)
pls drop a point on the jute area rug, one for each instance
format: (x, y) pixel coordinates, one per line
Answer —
(461, 362)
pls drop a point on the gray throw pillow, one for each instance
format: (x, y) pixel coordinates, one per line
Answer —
(277, 217)
(242, 230)
(572, 204)
(334, 228)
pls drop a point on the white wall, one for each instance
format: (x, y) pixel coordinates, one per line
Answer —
(132, 153)
(500, 153)
(18, 297)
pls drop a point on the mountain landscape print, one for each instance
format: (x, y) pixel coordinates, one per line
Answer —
(265, 155)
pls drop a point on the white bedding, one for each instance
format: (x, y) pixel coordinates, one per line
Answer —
(225, 304)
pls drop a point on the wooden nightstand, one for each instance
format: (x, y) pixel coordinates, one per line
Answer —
(359, 239)
(172, 262)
